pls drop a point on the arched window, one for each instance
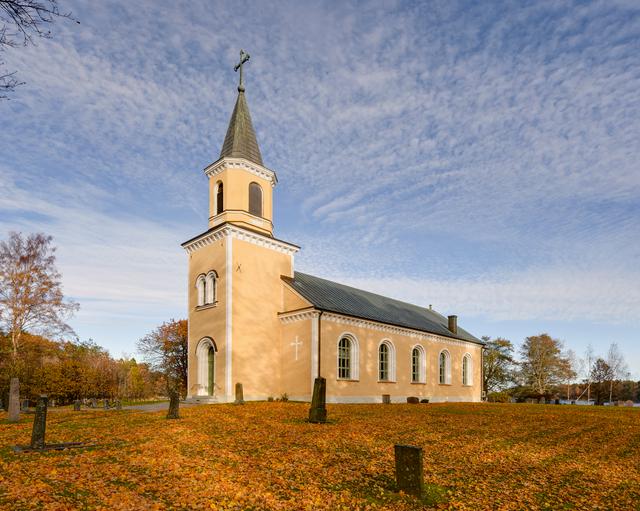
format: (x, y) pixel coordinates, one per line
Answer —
(418, 365)
(210, 285)
(386, 362)
(219, 199)
(347, 358)
(467, 370)
(201, 290)
(255, 199)
(445, 367)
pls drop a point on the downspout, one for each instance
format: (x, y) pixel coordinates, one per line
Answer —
(319, 341)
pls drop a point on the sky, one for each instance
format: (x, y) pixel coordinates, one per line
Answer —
(482, 157)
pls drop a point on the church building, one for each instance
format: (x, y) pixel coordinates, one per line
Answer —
(253, 319)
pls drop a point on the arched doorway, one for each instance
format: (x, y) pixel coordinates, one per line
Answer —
(206, 358)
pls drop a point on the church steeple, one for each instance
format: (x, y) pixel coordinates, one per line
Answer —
(240, 186)
(240, 141)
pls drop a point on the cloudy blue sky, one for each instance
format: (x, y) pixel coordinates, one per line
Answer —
(482, 157)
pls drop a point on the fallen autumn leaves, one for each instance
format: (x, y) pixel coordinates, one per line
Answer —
(265, 456)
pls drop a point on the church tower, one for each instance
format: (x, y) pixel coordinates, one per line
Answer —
(235, 270)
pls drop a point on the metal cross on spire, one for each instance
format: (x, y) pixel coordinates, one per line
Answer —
(244, 56)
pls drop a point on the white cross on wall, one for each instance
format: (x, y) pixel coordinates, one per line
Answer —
(296, 343)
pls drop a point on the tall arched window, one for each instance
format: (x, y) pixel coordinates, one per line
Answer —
(386, 362)
(210, 285)
(466, 370)
(219, 198)
(348, 358)
(445, 367)
(255, 199)
(418, 365)
(201, 290)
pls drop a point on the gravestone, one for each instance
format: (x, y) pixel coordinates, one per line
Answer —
(239, 395)
(118, 404)
(318, 410)
(105, 404)
(14, 400)
(39, 423)
(24, 405)
(628, 403)
(174, 404)
(386, 399)
(94, 403)
(413, 400)
(409, 469)
(76, 405)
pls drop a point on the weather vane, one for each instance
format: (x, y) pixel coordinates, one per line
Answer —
(244, 56)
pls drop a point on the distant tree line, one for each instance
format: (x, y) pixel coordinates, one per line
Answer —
(543, 370)
(34, 333)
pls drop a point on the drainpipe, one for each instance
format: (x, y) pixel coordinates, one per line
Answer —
(319, 342)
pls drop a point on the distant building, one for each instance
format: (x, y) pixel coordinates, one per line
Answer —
(254, 320)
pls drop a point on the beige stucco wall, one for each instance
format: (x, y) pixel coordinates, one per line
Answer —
(207, 321)
(257, 299)
(369, 389)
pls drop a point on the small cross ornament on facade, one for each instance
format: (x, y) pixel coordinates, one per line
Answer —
(296, 343)
(244, 56)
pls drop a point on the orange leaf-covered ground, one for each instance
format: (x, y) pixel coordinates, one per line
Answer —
(265, 456)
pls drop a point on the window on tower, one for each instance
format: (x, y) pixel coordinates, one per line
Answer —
(255, 199)
(219, 199)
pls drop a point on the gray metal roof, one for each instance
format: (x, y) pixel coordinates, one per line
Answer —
(333, 297)
(240, 141)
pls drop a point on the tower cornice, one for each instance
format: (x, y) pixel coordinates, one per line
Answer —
(233, 231)
(228, 162)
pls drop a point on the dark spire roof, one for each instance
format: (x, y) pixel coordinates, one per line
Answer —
(240, 141)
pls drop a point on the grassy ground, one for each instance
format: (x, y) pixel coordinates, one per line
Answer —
(265, 456)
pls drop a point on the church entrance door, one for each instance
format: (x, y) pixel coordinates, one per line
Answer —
(211, 366)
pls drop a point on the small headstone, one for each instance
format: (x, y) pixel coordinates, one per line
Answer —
(386, 399)
(409, 469)
(628, 403)
(24, 405)
(174, 404)
(76, 405)
(239, 394)
(318, 410)
(14, 400)
(105, 404)
(413, 400)
(557, 401)
(118, 404)
(94, 403)
(425, 400)
(39, 423)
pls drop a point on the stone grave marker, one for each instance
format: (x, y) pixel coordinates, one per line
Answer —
(14, 400)
(239, 395)
(413, 400)
(24, 405)
(409, 469)
(39, 423)
(76, 405)
(118, 404)
(94, 403)
(174, 404)
(318, 410)
(386, 399)
(105, 404)
(38, 432)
